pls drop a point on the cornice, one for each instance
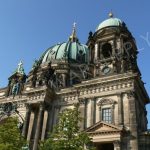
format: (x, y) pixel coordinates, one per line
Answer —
(97, 85)
(98, 133)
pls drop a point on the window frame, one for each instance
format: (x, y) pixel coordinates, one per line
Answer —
(106, 114)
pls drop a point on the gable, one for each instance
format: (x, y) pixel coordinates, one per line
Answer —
(102, 127)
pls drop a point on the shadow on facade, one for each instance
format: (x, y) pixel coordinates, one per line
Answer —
(106, 146)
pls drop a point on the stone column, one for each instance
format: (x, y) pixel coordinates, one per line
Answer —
(44, 124)
(26, 121)
(88, 112)
(96, 51)
(133, 121)
(112, 114)
(97, 115)
(117, 145)
(30, 126)
(120, 109)
(38, 127)
(82, 114)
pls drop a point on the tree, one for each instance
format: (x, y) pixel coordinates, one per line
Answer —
(10, 135)
(67, 134)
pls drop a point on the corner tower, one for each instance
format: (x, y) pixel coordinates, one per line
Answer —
(121, 96)
(113, 48)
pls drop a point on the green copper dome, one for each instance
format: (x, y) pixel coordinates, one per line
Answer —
(71, 50)
(111, 22)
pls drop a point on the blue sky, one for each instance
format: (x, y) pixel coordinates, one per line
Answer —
(29, 27)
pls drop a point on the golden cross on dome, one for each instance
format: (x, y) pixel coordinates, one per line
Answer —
(73, 36)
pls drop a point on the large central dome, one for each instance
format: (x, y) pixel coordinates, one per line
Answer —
(72, 50)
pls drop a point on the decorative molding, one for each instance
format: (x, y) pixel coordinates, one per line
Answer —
(102, 133)
(106, 101)
(36, 96)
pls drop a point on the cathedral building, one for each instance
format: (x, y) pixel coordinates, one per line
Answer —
(102, 77)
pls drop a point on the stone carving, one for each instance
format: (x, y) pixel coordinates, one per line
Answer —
(16, 85)
(130, 94)
(105, 101)
(48, 74)
(16, 81)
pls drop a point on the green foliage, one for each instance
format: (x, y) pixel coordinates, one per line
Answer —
(66, 135)
(10, 135)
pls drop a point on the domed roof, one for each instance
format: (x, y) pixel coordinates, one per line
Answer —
(71, 50)
(111, 22)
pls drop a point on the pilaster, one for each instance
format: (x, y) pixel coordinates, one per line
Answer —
(82, 114)
(133, 121)
(120, 109)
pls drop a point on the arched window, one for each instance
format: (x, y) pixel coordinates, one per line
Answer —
(107, 50)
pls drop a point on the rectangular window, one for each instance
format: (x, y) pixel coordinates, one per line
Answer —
(106, 115)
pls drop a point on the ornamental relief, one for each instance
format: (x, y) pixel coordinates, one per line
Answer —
(36, 96)
(93, 90)
(103, 88)
(68, 99)
(105, 101)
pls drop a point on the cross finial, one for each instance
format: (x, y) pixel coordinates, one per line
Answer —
(73, 36)
(20, 68)
(74, 26)
(20, 64)
(111, 15)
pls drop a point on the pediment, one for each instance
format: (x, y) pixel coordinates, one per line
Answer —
(103, 127)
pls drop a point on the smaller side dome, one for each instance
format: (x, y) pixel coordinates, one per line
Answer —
(111, 22)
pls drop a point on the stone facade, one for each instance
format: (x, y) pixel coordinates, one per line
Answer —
(105, 82)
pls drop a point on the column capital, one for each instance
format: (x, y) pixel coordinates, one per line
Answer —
(130, 94)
